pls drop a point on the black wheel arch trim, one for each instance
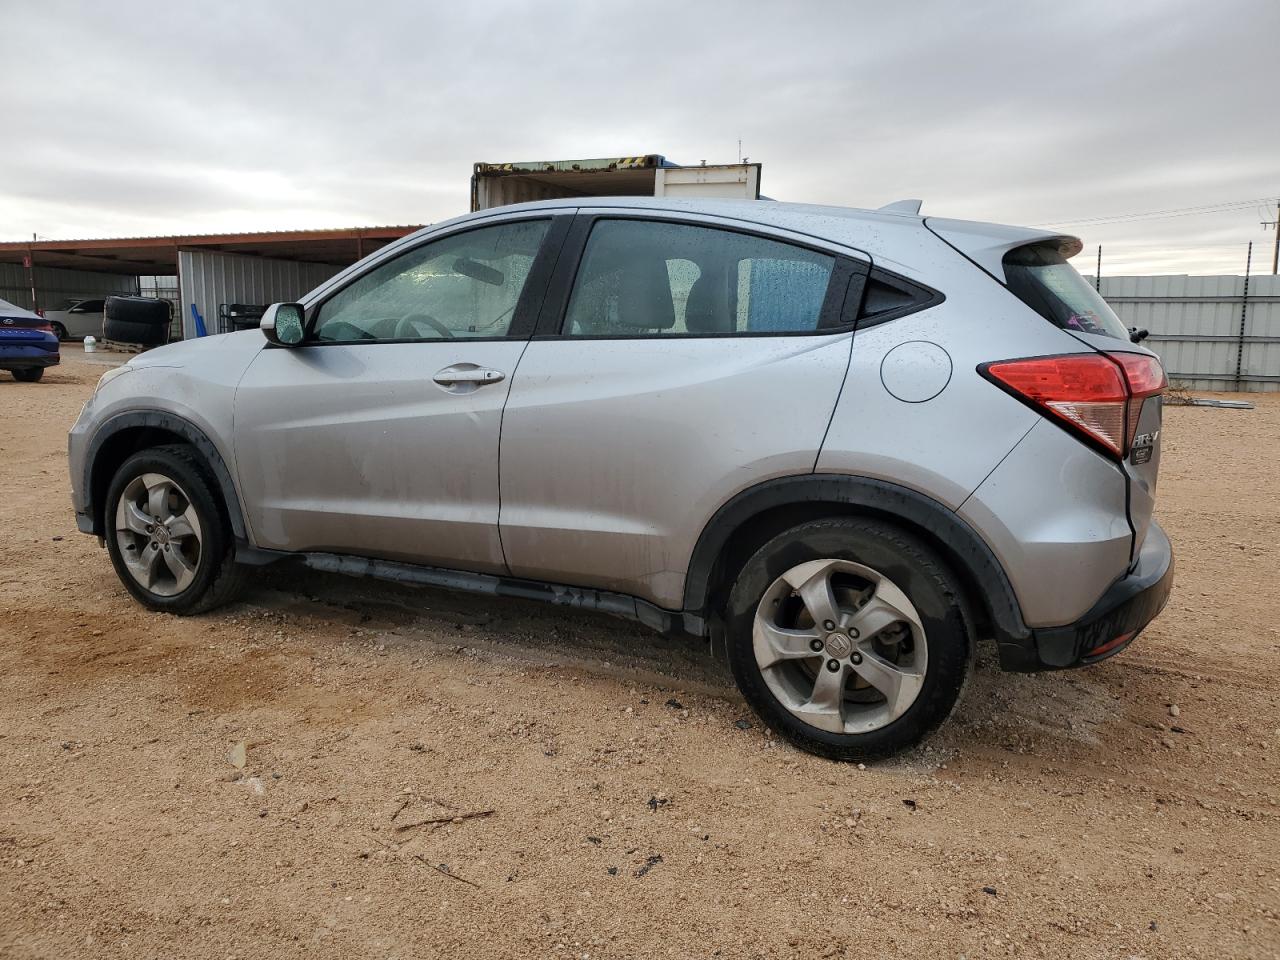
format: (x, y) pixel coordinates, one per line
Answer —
(171, 423)
(960, 543)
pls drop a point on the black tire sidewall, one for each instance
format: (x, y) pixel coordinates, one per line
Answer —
(916, 570)
(181, 467)
(28, 374)
(144, 311)
(131, 331)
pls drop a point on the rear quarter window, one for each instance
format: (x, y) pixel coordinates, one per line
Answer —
(887, 296)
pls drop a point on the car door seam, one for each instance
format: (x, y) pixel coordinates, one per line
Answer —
(234, 467)
(502, 416)
(511, 381)
(848, 365)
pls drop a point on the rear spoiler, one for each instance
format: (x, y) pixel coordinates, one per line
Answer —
(987, 243)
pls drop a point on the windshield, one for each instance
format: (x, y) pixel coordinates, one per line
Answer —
(1040, 277)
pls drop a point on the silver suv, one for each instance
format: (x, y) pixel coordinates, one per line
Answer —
(854, 442)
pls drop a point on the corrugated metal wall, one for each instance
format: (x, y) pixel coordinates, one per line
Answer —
(209, 279)
(1195, 327)
(55, 285)
(164, 288)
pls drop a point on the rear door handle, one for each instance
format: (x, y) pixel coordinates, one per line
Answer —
(467, 376)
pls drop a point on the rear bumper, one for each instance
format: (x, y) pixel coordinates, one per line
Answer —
(24, 358)
(1111, 624)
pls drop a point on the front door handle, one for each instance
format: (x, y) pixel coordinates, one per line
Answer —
(465, 377)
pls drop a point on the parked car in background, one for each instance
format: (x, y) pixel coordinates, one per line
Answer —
(77, 319)
(27, 343)
(851, 442)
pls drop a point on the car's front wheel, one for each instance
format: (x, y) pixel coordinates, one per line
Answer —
(849, 637)
(168, 534)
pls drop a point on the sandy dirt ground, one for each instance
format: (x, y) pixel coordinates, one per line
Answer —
(340, 768)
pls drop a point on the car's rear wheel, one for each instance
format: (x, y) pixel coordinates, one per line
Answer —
(849, 637)
(59, 330)
(28, 374)
(168, 534)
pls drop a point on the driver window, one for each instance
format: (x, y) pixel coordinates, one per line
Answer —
(465, 285)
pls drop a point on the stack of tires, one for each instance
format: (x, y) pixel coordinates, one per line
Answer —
(139, 320)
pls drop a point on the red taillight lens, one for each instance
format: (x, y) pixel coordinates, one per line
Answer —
(1143, 373)
(1097, 394)
(1146, 378)
(43, 327)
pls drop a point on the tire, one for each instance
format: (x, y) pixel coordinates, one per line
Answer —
(146, 310)
(59, 330)
(875, 572)
(129, 331)
(28, 374)
(188, 577)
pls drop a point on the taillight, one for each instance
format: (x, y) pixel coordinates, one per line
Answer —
(43, 327)
(1145, 377)
(1099, 395)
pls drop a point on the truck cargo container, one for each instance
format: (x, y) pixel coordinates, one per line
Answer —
(650, 175)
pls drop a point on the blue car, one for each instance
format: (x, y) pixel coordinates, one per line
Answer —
(27, 343)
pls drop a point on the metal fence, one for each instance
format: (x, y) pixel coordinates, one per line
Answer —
(1212, 333)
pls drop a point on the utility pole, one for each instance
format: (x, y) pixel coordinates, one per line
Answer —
(1275, 225)
(1097, 274)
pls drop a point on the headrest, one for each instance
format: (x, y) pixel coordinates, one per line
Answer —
(707, 309)
(644, 296)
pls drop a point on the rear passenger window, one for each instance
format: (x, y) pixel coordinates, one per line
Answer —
(642, 278)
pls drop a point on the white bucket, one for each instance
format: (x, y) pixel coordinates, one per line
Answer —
(90, 344)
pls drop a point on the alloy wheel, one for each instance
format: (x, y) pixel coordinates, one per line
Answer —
(159, 534)
(840, 646)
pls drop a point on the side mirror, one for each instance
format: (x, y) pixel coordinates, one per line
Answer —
(284, 324)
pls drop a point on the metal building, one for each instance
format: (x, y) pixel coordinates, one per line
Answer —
(210, 270)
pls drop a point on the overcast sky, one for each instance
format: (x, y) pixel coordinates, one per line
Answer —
(129, 118)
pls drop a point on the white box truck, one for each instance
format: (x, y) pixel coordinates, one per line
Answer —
(650, 175)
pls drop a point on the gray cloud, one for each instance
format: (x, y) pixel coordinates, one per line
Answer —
(150, 118)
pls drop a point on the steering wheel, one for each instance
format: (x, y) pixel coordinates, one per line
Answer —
(407, 328)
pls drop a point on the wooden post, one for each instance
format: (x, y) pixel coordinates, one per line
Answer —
(31, 275)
